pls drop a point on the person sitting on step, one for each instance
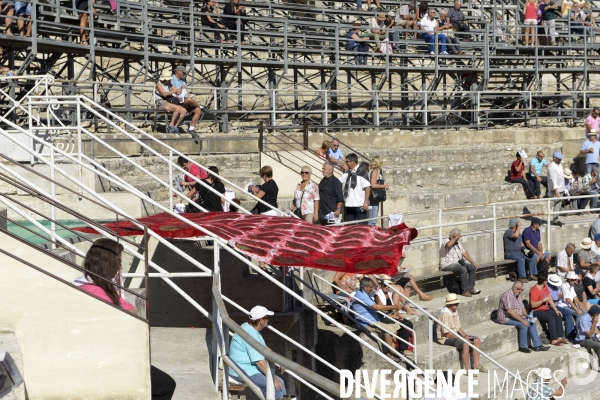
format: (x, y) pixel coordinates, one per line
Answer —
(514, 250)
(452, 258)
(511, 311)
(165, 100)
(367, 309)
(251, 362)
(448, 330)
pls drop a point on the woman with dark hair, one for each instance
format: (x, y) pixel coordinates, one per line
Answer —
(517, 175)
(104, 260)
(267, 192)
(422, 10)
(210, 20)
(234, 8)
(545, 310)
(209, 200)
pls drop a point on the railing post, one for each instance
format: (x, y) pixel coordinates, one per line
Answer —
(550, 209)
(270, 383)
(305, 134)
(494, 235)
(171, 179)
(440, 225)
(217, 321)
(430, 340)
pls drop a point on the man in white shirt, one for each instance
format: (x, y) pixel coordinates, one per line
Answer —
(556, 183)
(377, 29)
(564, 260)
(356, 191)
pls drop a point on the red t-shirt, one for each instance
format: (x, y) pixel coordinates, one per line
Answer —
(536, 294)
(195, 171)
(514, 173)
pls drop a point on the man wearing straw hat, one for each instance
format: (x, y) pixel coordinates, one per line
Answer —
(540, 388)
(449, 317)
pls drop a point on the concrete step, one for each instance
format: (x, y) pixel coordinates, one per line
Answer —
(183, 354)
(488, 152)
(8, 343)
(557, 358)
(496, 341)
(452, 174)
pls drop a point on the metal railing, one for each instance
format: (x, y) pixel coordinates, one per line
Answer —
(321, 109)
(219, 244)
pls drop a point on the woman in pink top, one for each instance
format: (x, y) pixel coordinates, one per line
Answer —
(530, 10)
(104, 261)
(188, 182)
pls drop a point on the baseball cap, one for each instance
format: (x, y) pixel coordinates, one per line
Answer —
(259, 312)
(557, 154)
(180, 68)
(594, 310)
(512, 222)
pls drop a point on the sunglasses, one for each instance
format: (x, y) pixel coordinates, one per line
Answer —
(335, 145)
(304, 173)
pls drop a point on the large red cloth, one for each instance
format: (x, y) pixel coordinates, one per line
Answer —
(286, 242)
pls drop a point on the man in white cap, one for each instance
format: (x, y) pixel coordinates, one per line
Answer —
(555, 288)
(540, 388)
(250, 361)
(591, 149)
(513, 250)
(568, 303)
(447, 335)
(556, 183)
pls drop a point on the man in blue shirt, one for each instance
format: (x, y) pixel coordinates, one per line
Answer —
(586, 329)
(248, 359)
(513, 250)
(334, 155)
(532, 239)
(535, 173)
(367, 310)
(591, 149)
(195, 110)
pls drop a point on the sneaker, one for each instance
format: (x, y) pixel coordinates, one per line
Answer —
(173, 129)
(432, 53)
(193, 133)
(444, 53)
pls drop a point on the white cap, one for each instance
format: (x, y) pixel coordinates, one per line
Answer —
(572, 276)
(545, 373)
(259, 312)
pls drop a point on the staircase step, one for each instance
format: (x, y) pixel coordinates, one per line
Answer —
(496, 341)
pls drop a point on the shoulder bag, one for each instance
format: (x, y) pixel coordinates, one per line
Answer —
(378, 195)
(298, 210)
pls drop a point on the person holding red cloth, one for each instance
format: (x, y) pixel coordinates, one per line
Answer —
(542, 305)
(517, 175)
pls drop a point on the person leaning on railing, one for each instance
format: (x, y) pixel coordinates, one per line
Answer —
(367, 309)
(104, 259)
(250, 361)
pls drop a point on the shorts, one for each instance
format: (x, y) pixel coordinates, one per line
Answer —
(404, 280)
(530, 22)
(458, 344)
(22, 8)
(387, 325)
(161, 104)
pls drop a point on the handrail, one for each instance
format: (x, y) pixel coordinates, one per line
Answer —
(97, 109)
(194, 225)
(266, 352)
(384, 315)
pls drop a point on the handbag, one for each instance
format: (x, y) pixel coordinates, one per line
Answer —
(378, 195)
(173, 100)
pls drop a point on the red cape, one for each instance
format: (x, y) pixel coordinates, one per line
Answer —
(287, 242)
